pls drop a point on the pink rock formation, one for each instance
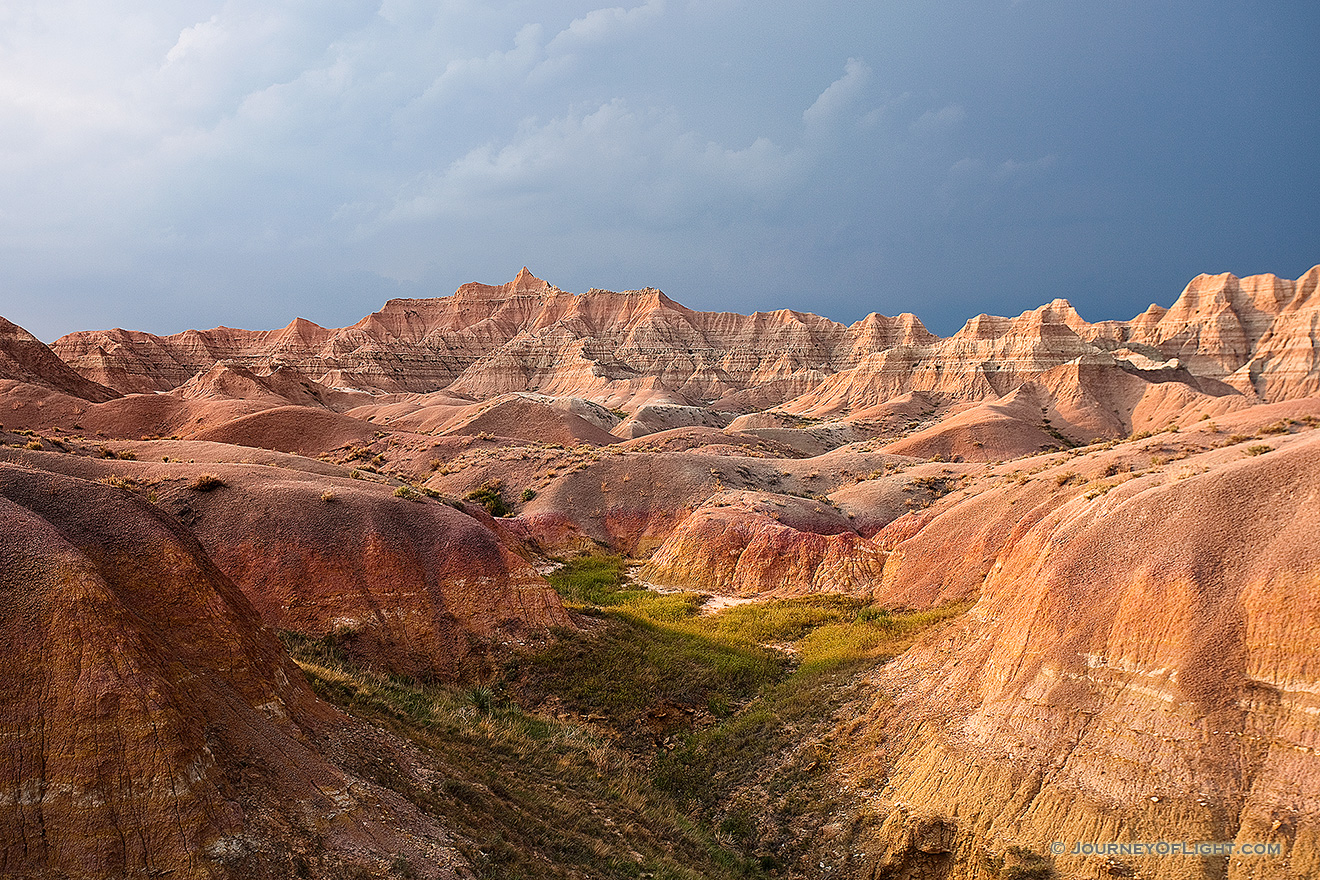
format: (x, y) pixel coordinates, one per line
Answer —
(1223, 335)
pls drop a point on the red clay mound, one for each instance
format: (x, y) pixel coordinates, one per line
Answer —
(132, 417)
(412, 586)
(754, 544)
(152, 727)
(1010, 427)
(711, 440)
(424, 413)
(523, 418)
(280, 386)
(297, 429)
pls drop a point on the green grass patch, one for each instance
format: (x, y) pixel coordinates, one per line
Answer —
(592, 581)
(633, 667)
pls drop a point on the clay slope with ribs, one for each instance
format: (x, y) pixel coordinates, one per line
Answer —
(152, 725)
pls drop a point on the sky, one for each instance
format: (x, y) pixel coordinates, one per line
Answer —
(195, 163)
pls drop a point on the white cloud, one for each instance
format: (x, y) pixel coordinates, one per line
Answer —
(609, 159)
(376, 133)
(937, 122)
(494, 70)
(838, 97)
(600, 25)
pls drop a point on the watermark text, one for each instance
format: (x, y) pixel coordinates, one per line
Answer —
(1201, 848)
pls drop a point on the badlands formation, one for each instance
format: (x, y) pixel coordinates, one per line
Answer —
(225, 551)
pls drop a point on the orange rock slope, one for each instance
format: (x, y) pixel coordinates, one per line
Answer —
(1141, 665)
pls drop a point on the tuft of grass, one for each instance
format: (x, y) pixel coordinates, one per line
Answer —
(407, 493)
(1258, 449)
(592, 580)
(206, 483)
(329, 496)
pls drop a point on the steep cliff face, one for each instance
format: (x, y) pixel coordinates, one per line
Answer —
(153, 727)
(486, 340)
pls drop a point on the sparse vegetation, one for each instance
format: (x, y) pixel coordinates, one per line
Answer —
(729, 695)
(530, 796)
(1258, 449)
(407, 493)
(491, 497)
(206, 483)
(1097, 490)
(328, 496)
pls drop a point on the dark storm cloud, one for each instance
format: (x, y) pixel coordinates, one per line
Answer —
(243, 162)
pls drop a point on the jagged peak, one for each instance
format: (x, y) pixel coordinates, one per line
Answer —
(525, 280)
(302, 324)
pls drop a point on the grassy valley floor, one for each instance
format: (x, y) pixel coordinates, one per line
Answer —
(655, 741)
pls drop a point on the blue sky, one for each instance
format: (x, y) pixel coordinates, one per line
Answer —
(243, 162)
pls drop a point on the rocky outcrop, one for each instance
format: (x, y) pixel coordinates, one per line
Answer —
(529, 417)
(767, 546)
(1256, 334)
(413, 586)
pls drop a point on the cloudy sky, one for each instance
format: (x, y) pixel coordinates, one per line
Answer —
(189, 163)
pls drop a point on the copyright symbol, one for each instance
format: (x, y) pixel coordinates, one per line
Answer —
(1056, 848)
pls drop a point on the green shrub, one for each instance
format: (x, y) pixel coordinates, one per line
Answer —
(491, 497)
